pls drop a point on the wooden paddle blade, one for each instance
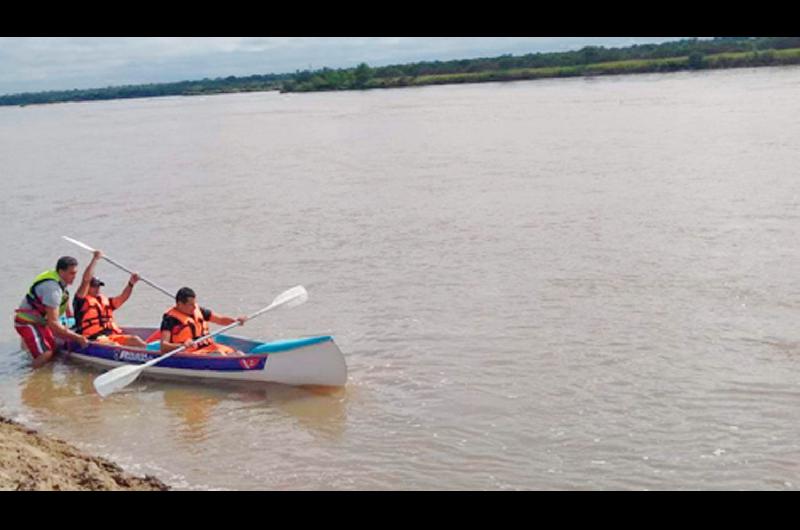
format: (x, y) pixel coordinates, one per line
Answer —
(116, 379)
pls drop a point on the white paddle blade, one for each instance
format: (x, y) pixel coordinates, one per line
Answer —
(116, 379)
(76, 242)
(293, 297)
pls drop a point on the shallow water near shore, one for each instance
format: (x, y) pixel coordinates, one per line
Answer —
(555, 284)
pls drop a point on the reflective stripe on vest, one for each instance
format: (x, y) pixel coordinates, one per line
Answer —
(191, 326)
(36, 302)
(95, 316)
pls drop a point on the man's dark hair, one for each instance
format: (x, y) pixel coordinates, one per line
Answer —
(184, 293)
(65, 262)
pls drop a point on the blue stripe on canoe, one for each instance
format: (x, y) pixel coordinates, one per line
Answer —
(267, 347)
(187, 362)
(254, 360)
(289, 344)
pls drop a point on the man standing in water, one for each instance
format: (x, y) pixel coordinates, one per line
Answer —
(94, 312)
(37, 318)
(186, 321)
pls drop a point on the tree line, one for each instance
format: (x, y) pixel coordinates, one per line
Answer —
(253, 83)
(589, 60)
(695, 50)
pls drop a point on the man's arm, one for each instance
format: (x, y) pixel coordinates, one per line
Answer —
(224, 320)
(117, 301)
(87, 275)
(59, 330)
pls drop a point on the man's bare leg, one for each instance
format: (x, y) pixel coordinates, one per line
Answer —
(43, 359)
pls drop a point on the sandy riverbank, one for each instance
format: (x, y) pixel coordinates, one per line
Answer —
(32, 461)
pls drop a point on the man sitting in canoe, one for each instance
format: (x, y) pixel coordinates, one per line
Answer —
(37, 318)
(186, 321)
(94, 312)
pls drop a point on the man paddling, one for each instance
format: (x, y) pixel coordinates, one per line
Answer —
(37, 319)
(186, 321)
(94, 312)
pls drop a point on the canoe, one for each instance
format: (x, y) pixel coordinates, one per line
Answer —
(314, 360)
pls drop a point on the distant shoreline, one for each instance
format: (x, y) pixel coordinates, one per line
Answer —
(685, 55)
(723, 61)
(459, 80)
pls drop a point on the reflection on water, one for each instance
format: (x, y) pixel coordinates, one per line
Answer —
(193, 408)
(56, 388)
(318, 409)
(157, 416)
(321, 411)
(59, 394)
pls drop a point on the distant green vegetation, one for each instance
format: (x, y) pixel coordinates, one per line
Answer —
(687, 54)
(253, 83)
(692, 62)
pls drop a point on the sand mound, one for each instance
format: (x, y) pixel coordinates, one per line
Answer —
(31, 461)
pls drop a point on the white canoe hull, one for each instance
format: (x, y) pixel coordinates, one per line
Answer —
(311, 361)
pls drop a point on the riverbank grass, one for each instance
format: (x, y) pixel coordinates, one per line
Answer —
(669, 64)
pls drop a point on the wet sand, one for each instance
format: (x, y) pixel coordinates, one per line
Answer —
(32, 461)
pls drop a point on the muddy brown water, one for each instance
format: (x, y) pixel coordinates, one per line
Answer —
(556, 284)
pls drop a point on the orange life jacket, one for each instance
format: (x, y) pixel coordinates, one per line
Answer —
(95, 316)
(191, 326)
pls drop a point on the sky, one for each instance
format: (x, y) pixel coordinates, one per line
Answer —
(33, 64)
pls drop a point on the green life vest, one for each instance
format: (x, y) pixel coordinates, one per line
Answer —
(36, 302)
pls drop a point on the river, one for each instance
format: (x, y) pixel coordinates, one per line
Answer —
(538, 285)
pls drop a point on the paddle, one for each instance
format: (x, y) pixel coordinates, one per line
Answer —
(126, 269)
(122, 376)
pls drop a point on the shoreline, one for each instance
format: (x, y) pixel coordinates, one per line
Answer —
(721, 61)
(32, 461)
(321, 82)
